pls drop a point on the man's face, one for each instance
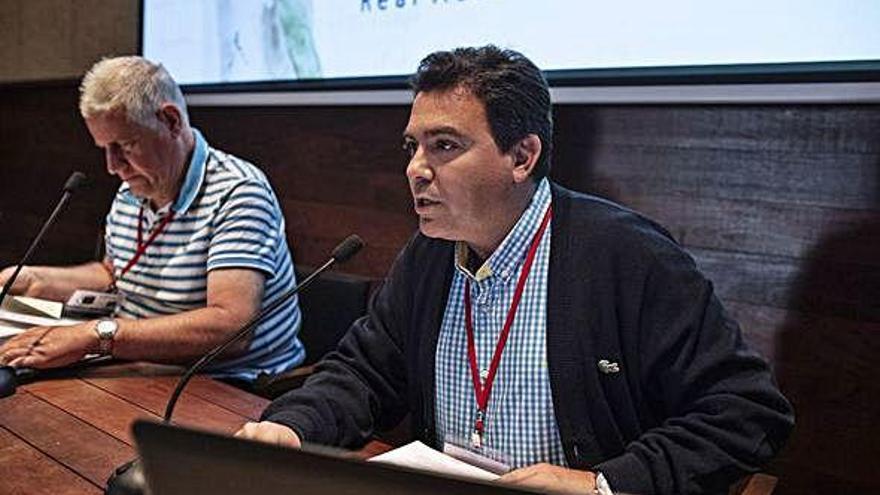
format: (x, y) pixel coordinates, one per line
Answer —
(458, 176)
(140, 156)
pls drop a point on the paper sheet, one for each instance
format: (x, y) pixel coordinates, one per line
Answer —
(33, 321)
(8, 329)
(33, 306)
(416, 455)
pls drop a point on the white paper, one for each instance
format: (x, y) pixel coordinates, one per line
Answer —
(36, 321)
(33, 306)
(416, 455)
(8, 329)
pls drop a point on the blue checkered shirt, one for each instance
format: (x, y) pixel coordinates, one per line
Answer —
(520, 424)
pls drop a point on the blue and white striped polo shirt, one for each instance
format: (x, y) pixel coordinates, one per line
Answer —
(520, 423)
(225, 216)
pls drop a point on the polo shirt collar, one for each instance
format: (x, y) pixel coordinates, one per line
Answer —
(195, 175)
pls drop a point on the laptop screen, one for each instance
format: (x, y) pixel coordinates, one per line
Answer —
(184, 461)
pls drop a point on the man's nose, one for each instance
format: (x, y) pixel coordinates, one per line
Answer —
(114, 159)
(418, 171)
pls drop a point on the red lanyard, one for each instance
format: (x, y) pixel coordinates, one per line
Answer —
(141, 245)
(481, 390)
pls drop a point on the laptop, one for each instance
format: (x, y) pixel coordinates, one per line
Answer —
(183, 461)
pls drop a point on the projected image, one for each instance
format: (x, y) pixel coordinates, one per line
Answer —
(220, 41)
(271, 39)
(266, 40)
(234, 40)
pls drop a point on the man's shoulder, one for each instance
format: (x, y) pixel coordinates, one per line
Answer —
(603, 223)
(226, 168)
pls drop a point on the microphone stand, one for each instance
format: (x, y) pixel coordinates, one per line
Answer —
(73, 183)
(9, 376)
(128, 479)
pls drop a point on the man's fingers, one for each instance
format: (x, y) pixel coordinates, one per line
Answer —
(246, 430)
(518, 475)
(14, 354)
(269, 432)
(26, 362)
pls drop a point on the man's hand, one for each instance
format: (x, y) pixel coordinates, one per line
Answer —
(548, 478)
(269, 432)
(50, 347)
(24, 284)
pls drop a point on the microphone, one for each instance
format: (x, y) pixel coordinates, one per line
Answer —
(9, 376)
(128, 478)
(74, 182)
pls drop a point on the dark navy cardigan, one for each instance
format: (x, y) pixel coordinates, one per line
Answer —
(690, 410)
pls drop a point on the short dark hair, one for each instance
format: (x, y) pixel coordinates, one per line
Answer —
(512, 88)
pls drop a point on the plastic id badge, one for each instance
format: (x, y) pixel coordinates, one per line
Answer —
(454, 449)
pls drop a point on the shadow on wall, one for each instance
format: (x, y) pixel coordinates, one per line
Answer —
(828, 357)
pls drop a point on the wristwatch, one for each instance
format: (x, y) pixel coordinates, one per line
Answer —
(106, 329)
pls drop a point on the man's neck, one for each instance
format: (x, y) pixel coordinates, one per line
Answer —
(507, 217)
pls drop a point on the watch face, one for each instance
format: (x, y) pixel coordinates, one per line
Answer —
(106, 328)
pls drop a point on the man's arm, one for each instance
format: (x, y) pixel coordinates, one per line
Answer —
(57, 282)
(358, 388)
(234, 296)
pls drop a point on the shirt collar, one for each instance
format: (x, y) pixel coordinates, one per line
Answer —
(512, 249)
(192, 183)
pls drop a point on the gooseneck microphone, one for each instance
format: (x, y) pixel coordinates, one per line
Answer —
(342, 253)
(74, 182)
(128, 478)
(9, 376)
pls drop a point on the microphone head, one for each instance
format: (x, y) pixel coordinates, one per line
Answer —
(347, 248)
(8, 381)
(75, 181)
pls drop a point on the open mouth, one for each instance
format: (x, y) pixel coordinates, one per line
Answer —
(424, 203)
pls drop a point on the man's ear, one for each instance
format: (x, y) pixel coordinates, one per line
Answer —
(170, 117)
(525, 157)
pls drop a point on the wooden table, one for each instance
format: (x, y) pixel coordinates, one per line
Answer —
(66, 435)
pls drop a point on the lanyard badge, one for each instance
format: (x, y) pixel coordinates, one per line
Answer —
(141, 245)
(483, 389)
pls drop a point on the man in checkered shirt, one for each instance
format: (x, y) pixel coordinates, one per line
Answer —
(555, 333)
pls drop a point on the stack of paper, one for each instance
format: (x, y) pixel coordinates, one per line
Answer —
(33, 306)
(20, 313)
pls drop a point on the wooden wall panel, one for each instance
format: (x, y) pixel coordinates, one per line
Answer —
(58, 39)
(779, 205)
(42, 140)
(337, 171)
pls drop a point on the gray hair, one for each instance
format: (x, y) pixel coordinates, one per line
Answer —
(132, 83)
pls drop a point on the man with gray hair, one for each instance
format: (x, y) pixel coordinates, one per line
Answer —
(195, 242)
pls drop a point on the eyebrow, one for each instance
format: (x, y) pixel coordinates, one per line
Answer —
(436, 131)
